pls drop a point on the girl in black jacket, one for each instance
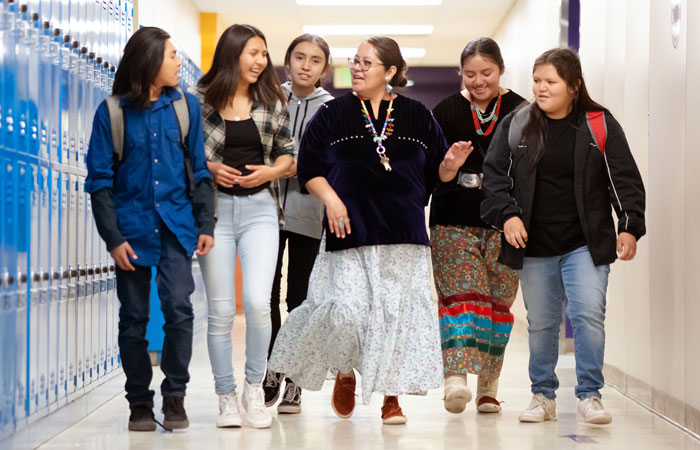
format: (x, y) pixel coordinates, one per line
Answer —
(550, 190)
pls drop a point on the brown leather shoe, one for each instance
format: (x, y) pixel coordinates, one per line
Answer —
(343, 399)
(391, 412)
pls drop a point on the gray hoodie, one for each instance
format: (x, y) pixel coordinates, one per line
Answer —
(303, 213)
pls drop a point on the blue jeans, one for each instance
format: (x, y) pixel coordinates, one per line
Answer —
(547, 282)
(175, 284)
(247, 225)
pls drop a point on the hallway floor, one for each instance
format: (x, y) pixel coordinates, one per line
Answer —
(429, 425)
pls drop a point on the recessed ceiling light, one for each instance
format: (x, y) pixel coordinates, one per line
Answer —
(368, 30)
(407, 52)
(369, 2)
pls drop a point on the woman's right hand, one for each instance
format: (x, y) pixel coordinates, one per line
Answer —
(223, 175)
(514, 231)
(335, 211)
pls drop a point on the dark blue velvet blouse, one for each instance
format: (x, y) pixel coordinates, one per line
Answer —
(383, 207)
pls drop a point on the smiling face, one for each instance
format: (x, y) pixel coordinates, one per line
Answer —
(307, 64)
(253, 60)
(551, 92)
(481, 77)
(169, 73)
(371, 82)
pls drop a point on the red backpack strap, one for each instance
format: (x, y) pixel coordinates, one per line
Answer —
(598, 128)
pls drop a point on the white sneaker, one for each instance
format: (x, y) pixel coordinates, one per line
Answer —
(228, 411)
(541, 408)
(457, 394)
(253, 404)
(591, 410)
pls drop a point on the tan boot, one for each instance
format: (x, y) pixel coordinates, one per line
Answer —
(457, 394)
(486, 391)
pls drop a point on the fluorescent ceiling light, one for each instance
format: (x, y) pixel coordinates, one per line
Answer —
(368, 30)
(369, 2)
(408, 52)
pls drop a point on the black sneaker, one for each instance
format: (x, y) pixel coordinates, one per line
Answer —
(142, 418)
(174, 415)
(272, 387)
(291, 402)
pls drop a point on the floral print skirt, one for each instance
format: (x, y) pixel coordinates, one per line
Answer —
(475, 293)
(368, 309)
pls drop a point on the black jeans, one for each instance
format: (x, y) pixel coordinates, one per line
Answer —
(175, 285)
(301, 258)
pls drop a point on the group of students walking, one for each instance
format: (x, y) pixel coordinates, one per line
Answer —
(520, 193)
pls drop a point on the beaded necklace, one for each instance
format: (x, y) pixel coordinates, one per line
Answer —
(387, 129)
(479, 119)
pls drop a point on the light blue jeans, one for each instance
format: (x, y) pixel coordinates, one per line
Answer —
(246, 225)
(547, 282)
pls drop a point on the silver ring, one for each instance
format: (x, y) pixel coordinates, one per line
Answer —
(341, 223)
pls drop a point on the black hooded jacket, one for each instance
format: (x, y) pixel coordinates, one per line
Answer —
(602, 181)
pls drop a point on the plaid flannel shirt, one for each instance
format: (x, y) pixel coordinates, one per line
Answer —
(275, 135)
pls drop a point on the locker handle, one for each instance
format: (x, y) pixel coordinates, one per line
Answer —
(9, 279)
(111, 268)
(83, 272)
(105, 269)
(45, 276)
(56, 275)
(90, 271)
(73, 273)
(22, 278)
(36, 276)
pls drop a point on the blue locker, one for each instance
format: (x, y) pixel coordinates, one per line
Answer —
(65, 56)
(8, 69)
(44, 91)
(34, 281)
(24, 182)
(9, 292)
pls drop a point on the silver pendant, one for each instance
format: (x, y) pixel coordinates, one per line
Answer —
(385, 161)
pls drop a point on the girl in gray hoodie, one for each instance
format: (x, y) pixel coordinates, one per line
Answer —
(307, 60)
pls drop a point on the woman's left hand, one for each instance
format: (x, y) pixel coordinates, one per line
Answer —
(260, 174)
(456, 155)
(626, 246)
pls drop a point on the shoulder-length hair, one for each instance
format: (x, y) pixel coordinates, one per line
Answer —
(222, 79)
(568, 66)
(314, 39)
(140, 64)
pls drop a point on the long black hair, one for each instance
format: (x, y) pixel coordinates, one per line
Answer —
(140, 64)
(568, 67)
(314, 39)
(222, 79)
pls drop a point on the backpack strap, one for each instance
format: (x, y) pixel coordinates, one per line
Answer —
(116, 121)
(598, 128)
(182, 112)
(515, 132)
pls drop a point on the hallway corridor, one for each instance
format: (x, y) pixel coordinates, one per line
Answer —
(429, 425)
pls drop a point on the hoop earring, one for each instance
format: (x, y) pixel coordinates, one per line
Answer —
(388, 86)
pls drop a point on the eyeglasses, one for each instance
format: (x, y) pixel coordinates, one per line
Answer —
(362, 64)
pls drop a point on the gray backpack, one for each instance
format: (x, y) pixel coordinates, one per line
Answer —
(182, 113)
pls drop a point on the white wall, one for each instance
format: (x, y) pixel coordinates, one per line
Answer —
(631, 67)
(180, 18)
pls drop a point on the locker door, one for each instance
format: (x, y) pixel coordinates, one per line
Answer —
(72, 297)
(54, 189)
(9, 292)
(82, 315)
(34, 280)
(93, 293)
(42, 279)
(64, 374)
(23, 188)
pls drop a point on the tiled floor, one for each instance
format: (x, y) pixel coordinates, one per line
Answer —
(429, 425)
